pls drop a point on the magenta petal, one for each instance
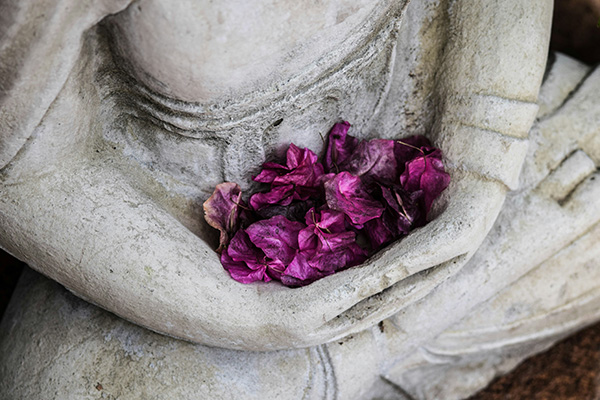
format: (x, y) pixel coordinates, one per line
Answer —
(340, 146)
(241, 248)
(406, 149)
(403, 207)
(281, 195)
(426, 173)
(341, 257)
(269, 172)
(345, 193)
(373, 159)
(308, 240)
(221, 210)
(301, 270)
(328, 220)
(240, 271)
(276, 237)
(379, 233)
(297, 156)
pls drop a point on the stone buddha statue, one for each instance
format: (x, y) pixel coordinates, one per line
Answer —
(118, 118)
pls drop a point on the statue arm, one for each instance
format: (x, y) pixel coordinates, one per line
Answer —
(39, 45)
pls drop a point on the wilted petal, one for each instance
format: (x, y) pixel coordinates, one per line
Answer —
(379, 233)
(240, 271)
(276, 237)
(340, 146)
(269, 172)
(297, 156)
(295, 211)
(241, 248)
(373, 159)
(299, 272)
(326, 219)
(280, 195)
(221, 210)
(345, 253)
(403, 209)
(304, 170)
(308, 240)
(406, 149)
(426, 173)
(345, 193)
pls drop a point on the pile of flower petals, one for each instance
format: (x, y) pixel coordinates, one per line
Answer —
(320, 218)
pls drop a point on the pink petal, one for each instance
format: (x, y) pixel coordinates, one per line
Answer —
(406, 149)
(302, 271)
(379, 233)
(240, 271)
(269, 172)
(241, 248)
(373, 159)
(328, 220)
(276, 237)
(346, 193)
(281, 195)
(426, 173)
(340, 146)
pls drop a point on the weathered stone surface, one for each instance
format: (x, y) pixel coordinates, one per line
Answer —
(56, 346)
(104, 193)
(534, 280)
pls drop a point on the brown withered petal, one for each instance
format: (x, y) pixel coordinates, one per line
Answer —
(222, 210)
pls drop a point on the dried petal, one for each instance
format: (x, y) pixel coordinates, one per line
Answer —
(244, 261)
(295, 211)
(346, 193)
(403, 209)
(373, 160)
(401, 215)
(300, 272)
(406, 149)
(277, 237)
(221, 211)
(340, 146)
(379, 233)
(326, 219)
(301, 179)
(240, 271)
(426, 173)
(280, 195)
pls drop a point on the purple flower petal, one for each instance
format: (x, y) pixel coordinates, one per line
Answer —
(403, 208)
(301, 270)
(301, 179)
(373, 159)
(240, 271)
(243, 260)
(295, 211)
(340, 146)
(304, 170)
(280, 195)
(276, 237)
(426, 173)
(221, 211)
(346, 193)
(379, 233)
(242, 249)
(406, 149)
(269, 172)
(297, 156)
(328, 220)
